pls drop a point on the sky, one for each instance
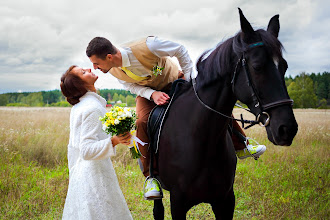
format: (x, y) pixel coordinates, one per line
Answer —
(41, 39)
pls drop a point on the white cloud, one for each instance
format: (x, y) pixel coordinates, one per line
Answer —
(39, 39)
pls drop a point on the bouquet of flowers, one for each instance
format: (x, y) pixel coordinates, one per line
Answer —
(119, 121)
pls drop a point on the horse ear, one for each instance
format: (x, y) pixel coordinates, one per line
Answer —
(274, 26)
(245, 25)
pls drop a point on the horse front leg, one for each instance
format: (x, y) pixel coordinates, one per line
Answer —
(158, 209)
(179, 205)
(224, 208)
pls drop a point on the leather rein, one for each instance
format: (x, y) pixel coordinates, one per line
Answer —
(262, 107)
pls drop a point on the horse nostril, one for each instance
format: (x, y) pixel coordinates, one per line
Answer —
(287, 133)
(283, 132)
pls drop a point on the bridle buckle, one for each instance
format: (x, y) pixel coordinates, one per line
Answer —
(261, 123)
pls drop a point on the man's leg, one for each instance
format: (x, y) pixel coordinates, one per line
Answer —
(238, 137)
(152, 189)
(143, 109)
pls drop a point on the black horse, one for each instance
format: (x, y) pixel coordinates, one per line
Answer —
(196, 159)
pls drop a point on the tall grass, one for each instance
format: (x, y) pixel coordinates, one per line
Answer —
(33, 174)
(285, 183)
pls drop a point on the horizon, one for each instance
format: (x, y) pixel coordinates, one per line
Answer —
(58, 89)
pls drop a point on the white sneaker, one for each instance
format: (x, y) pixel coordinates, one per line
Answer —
(152, 189)
(251, 150)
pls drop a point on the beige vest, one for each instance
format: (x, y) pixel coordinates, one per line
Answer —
(149, 60)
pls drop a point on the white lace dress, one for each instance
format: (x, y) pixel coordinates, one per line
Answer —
(94, 191)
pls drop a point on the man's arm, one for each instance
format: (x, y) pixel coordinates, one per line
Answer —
(163, 48)
(137, 89)
(160, 98)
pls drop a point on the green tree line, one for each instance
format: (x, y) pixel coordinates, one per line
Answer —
(307, 91)
(55, 98)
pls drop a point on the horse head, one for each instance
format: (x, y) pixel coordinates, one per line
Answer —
(258, 79)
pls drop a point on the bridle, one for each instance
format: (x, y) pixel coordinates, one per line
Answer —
(256, 99)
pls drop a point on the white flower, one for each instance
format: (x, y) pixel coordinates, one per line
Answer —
(116, 121)
(104, 127)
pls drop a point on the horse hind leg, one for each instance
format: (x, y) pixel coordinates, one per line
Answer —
(158, 210)
(224, 209)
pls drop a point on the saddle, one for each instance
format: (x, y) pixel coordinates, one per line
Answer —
(158, 115)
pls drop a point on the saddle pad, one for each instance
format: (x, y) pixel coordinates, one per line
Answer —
(158, 115)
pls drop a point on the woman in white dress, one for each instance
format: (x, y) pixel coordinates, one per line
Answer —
(93, 191)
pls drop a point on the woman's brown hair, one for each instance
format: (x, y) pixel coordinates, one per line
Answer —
(72, 86)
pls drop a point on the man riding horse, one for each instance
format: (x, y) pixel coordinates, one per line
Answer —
(144, 68)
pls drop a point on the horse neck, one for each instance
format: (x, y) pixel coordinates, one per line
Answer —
(218, 95)
(215, 73)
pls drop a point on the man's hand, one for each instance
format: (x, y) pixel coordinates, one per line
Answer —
(181, 75)
(121, 139)
(160, 98)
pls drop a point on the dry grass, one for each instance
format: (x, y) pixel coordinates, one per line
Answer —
(39, 134)
(285, 183)
(288, 182)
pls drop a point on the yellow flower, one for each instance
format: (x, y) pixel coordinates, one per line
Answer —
(114, 122)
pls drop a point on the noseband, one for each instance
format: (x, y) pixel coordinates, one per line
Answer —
(257, 101)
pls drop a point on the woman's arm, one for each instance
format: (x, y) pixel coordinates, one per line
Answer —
(91, 147)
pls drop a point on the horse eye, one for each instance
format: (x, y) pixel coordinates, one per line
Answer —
(257, 68)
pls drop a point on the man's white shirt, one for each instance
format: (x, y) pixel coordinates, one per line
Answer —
(160, 48)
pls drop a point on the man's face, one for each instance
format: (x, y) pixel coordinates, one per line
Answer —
(103, 65)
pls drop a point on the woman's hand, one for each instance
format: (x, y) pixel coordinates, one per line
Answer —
(121, 139)
(160, 98)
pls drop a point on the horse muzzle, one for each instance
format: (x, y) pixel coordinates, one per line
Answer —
(282, 128)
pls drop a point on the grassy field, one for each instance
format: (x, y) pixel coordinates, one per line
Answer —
(285, 183)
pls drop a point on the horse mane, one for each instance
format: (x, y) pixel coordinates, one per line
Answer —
(222, 60)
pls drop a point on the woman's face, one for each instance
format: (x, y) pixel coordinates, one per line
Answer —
(86, 75)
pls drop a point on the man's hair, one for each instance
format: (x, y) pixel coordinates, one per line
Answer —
(100, 47)
(72, 86)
